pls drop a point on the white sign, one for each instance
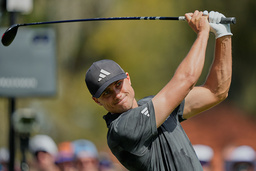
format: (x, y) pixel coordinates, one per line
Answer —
(24, 6)
(28, 65)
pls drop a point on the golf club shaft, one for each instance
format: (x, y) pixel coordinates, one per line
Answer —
(181, 18)
(102, 19)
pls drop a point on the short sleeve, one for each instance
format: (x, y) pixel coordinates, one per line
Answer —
(180, 110)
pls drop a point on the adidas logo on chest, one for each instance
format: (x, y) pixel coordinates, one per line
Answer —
(145, 112)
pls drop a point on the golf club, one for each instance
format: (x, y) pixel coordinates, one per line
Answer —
(11, 32)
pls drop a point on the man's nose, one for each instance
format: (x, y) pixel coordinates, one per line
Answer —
(117, 93)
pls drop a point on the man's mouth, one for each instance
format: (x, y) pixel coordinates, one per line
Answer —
(120, 100)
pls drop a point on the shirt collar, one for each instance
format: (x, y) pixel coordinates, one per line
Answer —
(110, 118)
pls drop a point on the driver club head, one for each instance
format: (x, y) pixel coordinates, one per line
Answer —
(9, 35)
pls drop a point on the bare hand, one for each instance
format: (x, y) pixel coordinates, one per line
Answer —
(197, 21)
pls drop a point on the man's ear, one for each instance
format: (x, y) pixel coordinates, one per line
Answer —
(128, 77)
(96, 101)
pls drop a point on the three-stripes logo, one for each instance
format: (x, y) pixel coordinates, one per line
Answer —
(103, 74)
(145, 112)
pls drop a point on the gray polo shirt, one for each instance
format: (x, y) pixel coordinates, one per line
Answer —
(137, 143)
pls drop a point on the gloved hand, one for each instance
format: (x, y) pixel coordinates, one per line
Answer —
(218, 29)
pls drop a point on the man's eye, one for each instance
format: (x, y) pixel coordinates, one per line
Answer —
(119, 83)
(106, 92)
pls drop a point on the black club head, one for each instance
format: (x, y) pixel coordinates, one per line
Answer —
(9, 35)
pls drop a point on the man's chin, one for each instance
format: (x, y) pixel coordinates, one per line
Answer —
(122, 110)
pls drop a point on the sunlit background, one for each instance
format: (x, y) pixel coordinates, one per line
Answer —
(150, 51)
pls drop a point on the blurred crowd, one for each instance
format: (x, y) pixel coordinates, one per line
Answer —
(239, 158)
(78, 155)
(83, 155)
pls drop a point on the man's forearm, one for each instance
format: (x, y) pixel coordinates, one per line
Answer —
(219, 78)
(194, 62)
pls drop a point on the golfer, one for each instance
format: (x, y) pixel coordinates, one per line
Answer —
(146, 135)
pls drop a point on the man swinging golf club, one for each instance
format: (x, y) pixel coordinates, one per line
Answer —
(147, 135)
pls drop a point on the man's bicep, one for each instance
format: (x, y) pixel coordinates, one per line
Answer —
(169, 98)
(198, 100)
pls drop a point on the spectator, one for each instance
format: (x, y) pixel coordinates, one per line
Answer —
(106, 163)
(65, 157)
(4, 159)
(86, 155)
(44, 151)
(205, 155)
(242, 158)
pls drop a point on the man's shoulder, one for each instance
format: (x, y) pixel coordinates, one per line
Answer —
(145, 100)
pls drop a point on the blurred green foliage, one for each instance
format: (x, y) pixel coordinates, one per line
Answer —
(149, 50)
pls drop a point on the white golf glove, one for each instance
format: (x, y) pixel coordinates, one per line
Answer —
(218, 29)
